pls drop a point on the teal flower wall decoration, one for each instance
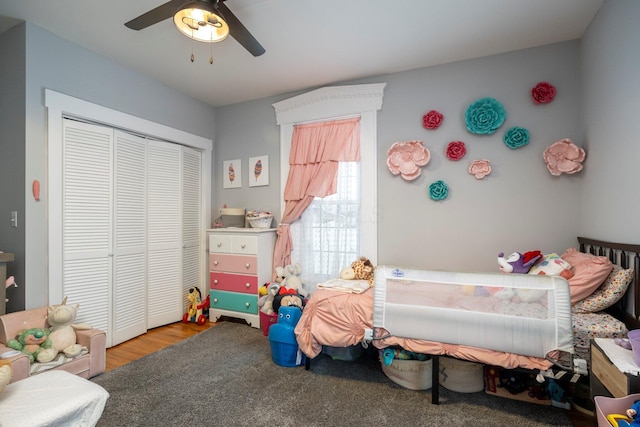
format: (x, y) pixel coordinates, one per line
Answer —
(485, 116)
(438, 190)
(516, 137)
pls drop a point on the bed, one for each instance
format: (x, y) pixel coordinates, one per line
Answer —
(465, 319)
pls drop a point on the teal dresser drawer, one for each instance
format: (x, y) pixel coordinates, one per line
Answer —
(244, 303)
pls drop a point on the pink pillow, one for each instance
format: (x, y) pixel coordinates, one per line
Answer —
(589, 272)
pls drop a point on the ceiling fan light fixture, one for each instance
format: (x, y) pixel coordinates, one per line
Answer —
(201, 21)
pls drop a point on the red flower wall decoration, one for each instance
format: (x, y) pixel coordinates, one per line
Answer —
(456, 150)
(543, 93)
(432, 120)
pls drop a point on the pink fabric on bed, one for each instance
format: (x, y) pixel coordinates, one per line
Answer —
(334, 318)
(338, 319)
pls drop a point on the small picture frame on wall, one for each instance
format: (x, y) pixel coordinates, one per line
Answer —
(231, 174)
(258, 171)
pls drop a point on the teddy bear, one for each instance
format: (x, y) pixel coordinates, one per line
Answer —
(291, 277)
(63, 332)
(33, 342)
(265, 302)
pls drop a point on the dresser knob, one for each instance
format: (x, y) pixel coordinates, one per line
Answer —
(215, 300)
(247, 305)
(247, 265)
(219, 244)
(248, 285)
(215, 262)
(243, 246)
(215, 282)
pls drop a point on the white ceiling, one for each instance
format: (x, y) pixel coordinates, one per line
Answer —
(309, 43)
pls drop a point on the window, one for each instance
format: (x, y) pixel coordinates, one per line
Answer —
(334, 227)
(327, 236)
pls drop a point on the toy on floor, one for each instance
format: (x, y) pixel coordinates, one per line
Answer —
(633, 414)
(389, 354)
(265, 302)
(197, 310)
(288, 298)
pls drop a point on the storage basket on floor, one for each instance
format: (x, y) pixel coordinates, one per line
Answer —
(461, 376)
(266, 320)
(411, 374)
(612, 405)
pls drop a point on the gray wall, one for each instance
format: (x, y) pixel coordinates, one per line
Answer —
(519, 207)
(12, 154)
(56, 64)
(611, 69)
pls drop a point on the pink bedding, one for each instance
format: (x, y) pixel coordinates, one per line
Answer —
(339, 319)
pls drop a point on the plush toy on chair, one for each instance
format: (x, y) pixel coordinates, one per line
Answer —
(33, 342)
(63, 332)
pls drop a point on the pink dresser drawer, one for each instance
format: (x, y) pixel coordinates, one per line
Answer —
(233, 282)
(234, 263)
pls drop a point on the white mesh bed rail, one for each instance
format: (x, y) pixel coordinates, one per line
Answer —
(513, 313)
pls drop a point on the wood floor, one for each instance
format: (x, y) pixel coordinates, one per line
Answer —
(164, 336)
(153, 340)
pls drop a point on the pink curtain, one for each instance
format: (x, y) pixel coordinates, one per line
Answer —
(316, 149)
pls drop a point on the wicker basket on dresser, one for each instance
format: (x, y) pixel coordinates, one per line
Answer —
(240, 262)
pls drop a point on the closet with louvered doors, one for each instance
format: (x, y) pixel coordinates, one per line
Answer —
(130, 232)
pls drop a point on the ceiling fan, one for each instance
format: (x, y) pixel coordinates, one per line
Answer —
(212, 17)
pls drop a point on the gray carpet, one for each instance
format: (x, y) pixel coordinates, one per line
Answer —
(225, 376)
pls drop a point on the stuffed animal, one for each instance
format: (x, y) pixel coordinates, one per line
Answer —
(363, 270)
(634, 414)
(347, 273)
(517, 262)
(265, 302)
(287, 298)
(6, 373)
(292, 278)
(63, 332)
(553, 265)
(32, 342)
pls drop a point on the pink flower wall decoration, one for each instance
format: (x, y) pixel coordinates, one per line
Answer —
(432, 120)
(480, 168)
(543, 93)
(564, 157)
(456, 150)
(406, 159)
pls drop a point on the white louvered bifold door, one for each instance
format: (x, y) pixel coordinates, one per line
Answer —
(130, 238)
(87, 221)
(191, 222)
(164, 247)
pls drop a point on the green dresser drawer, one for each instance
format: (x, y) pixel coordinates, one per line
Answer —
(234, 301)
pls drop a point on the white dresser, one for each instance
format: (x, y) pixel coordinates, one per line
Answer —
(240, 262)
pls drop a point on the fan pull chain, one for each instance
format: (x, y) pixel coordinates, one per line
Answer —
(211, 50)
(192, 55)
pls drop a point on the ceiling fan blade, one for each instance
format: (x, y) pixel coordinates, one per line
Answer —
(156, 15)
(239, 31)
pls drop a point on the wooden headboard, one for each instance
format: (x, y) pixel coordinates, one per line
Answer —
(626, 256)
